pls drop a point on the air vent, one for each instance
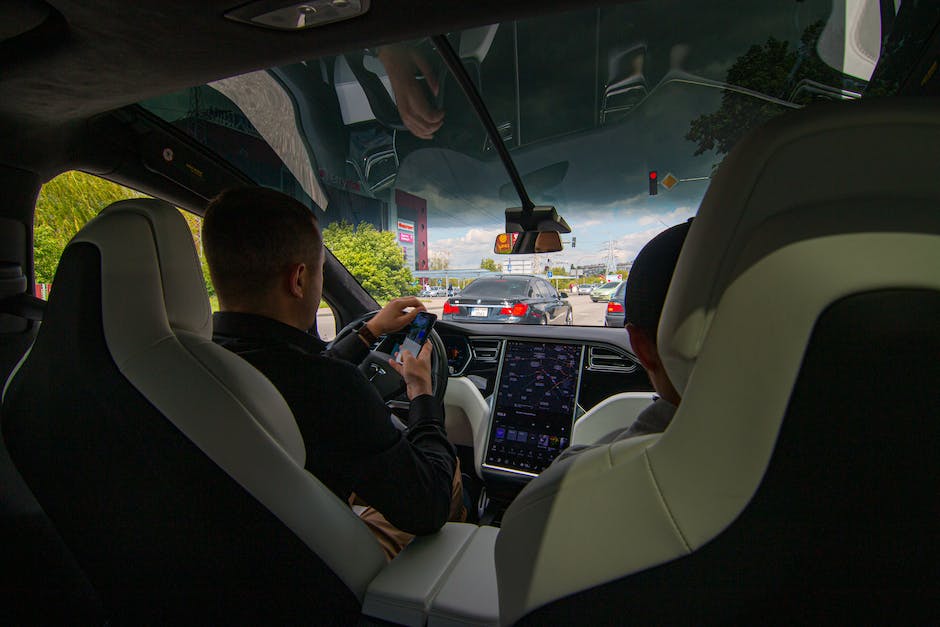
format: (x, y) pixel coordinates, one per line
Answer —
(607, 360)
(485, 350)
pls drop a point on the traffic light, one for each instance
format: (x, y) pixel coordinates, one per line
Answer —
(654, 183)
(574, 242)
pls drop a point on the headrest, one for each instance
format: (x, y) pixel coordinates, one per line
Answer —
(846, 167)
(147, 250)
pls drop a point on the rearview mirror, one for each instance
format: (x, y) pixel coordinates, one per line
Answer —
(527, 243)
(531, 230)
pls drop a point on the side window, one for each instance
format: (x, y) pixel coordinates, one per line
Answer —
(70, 200)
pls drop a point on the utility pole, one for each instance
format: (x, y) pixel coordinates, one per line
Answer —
(611, 258)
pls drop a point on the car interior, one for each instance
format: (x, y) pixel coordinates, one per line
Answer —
(150, 476)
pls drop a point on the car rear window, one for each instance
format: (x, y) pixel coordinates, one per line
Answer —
(497, 288)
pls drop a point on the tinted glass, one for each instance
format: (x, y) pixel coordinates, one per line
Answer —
(589, 104)
(620, 292)
(497, 288)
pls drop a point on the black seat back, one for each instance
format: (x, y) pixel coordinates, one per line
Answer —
(163, 533)
(844, 525)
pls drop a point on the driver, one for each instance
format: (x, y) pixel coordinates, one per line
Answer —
(265, 256)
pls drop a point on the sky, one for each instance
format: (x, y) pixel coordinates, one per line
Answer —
(629, 224)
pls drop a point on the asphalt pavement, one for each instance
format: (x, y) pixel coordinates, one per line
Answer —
(586, 313)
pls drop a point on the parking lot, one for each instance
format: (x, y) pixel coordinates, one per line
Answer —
(586, 313)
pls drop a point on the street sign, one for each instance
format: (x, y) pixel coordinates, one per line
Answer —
(669, 181)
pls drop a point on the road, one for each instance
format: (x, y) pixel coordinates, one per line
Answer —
(586, 313)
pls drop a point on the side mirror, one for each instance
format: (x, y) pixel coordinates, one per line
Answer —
(563, 294)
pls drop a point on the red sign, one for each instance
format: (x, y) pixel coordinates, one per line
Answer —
(406, 226)
(408, 238)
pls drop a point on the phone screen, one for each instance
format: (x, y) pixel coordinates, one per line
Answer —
(417, 334)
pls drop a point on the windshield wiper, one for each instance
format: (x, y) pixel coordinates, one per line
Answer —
(452, 61)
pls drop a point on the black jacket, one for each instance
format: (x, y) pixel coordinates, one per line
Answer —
(351, 443)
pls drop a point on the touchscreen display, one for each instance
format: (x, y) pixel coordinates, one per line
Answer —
(535, 403)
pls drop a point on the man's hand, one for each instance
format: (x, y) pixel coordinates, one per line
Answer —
(393, 316)
(401, 64)
(415, 372)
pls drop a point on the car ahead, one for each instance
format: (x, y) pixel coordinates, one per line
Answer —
(585, 288)
(516, 299)
(602, 294)
(614, 316)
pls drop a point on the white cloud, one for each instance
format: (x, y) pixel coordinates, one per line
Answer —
(677, 215)
(629, 245)
(468, 250)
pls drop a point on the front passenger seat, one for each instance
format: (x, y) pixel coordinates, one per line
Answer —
(172, 469)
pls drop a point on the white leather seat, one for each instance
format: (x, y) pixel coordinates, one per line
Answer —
(815, 207)
(128, 338)
(614, 413)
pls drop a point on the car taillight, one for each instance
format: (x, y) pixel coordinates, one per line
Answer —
(614, 307)
(518, 310)
(450, 309)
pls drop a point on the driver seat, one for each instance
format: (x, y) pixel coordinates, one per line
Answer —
(172, 469)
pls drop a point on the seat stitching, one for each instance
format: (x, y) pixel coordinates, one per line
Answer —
(662, 500)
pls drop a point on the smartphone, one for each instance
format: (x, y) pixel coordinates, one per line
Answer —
(417, 334)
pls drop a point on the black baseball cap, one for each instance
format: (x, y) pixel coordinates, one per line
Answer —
(650, 277)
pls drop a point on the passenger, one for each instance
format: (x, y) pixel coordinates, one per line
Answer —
(265, 255)
(645, 295)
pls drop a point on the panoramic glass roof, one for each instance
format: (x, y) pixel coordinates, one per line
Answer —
(588, 103)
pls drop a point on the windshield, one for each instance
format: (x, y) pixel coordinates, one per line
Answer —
(618, 116)
(497, 288)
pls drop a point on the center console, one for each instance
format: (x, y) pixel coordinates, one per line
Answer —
(534, 408)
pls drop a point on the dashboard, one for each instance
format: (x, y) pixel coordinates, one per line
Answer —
(529, 386)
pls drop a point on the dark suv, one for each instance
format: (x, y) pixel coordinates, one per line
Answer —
(614, 317)
(520, 299)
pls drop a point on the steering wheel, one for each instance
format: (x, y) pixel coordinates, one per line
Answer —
(385, 379)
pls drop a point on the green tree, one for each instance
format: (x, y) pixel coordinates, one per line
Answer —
(774, 69)
(65, 204)
(195, 227)
(70, 200)
(488, 264)
(439, 261)
(372, 257)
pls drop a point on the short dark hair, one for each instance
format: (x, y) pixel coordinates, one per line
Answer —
(650, 277)
(250, 235)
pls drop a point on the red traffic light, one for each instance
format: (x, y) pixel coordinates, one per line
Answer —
(654, 184)
(652, 175)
